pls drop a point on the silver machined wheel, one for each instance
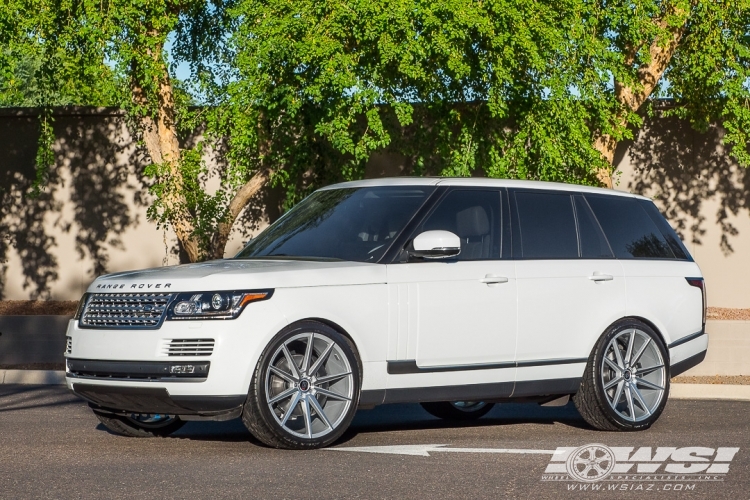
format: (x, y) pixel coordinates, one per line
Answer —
(309, 385)
(633, 375)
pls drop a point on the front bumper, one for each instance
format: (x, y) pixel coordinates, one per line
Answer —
(151, 400)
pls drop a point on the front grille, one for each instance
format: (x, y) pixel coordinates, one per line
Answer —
(188, 347)
(125, 310)
(68, 345)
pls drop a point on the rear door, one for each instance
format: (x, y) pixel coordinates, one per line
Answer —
(570, 288)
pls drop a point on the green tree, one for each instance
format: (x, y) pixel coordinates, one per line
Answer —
(302, 92)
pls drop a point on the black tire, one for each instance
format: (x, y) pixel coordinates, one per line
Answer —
(594, 404)
(132, 427)
(458, 410)
(265, 424)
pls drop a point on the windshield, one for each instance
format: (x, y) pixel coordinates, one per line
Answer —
(356, 224)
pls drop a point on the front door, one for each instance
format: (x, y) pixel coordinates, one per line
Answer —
(457, 317)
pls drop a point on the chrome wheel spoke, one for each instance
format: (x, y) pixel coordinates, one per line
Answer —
(291, 408)
(640, 351)
(639, 397)
(290, 360)
(308, 420)
(647, 384)
(629, 397)
(618, 355)
(322, 359)
(629, 352)
(618, 395)
(646, 371)
(319, 411)
(282, 395)
(308, 353)
(616, 368)
(612, 382)
(331, 378)
(332, 395)
(281, 373)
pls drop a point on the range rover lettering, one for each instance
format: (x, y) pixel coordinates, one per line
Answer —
(454, 293)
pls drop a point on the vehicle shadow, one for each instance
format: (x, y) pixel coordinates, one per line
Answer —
(399, 417)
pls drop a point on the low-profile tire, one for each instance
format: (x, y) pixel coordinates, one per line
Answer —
(305, 389)
(626, 383)
(139, 425)
(458, 410)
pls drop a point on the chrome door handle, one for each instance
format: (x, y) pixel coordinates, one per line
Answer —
(491, 279)
(601, 277)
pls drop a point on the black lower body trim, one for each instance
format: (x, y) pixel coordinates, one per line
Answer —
(686, 364)
(402, 367)
(372, 397)
(686, 339)
(137, 370)
(155, 400)
(552, 387)
(473, 392)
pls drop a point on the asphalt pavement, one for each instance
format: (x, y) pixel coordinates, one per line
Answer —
(52, 446)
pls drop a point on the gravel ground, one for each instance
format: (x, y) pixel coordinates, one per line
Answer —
(38, 307)
(714, 379)
(727, 313)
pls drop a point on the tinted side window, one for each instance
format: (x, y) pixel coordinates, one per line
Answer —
(593, 243)
(630, 231)
(666, 230)
(548, 226)
(473, 215)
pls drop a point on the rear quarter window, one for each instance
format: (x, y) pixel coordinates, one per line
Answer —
(631, 232)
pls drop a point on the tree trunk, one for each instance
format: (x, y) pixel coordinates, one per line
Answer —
(632, 97)
(238, 203)
(160, 138)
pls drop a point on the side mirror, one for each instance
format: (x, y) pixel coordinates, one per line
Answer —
(436, 245)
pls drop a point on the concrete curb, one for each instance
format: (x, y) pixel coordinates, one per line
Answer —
(710, 391)
(677, 391)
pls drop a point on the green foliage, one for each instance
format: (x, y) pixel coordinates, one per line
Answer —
(309, 89)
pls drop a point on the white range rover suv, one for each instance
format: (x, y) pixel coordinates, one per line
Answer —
(454, 293)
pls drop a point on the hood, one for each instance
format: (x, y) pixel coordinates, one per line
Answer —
(241, 275)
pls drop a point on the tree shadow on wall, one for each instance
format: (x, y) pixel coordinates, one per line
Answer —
(93, 154)
(680, 168)
(21, 216)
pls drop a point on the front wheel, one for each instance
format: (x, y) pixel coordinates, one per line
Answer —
(626, 383)
(305, 389)
(458, 410)
(139, 424)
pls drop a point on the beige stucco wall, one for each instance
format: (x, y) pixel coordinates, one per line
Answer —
(91, 217)
(705, 195)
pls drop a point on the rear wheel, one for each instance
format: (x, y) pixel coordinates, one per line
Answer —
(458, 410)
(305, 389)
(140, 424)
(626, 383)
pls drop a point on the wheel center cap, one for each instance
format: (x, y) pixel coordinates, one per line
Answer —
(304, 385)
(627, 375)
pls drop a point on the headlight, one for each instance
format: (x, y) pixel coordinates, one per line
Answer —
(81, 306)
(214, 305)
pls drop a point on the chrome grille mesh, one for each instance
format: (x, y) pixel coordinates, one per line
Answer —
(125, 310)
(188, 347)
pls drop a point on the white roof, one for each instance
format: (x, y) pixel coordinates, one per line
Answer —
(479, 182)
